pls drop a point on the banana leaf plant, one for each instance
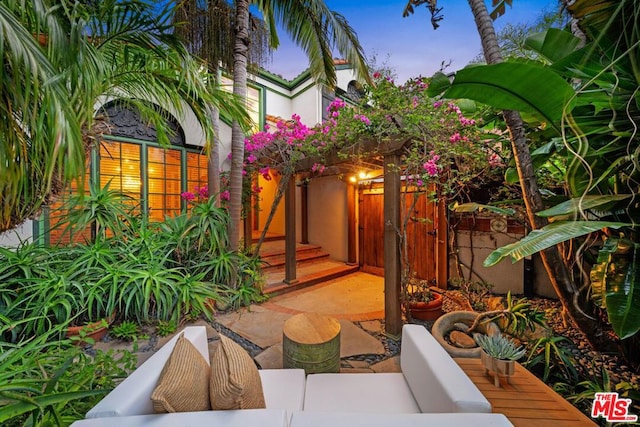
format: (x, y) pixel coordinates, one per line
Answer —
(615, 284)
(584, 93)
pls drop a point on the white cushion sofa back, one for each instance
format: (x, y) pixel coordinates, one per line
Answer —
(437, 383)
(430, 382)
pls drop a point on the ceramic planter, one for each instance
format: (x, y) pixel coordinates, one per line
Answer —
(497, 367)
(427, 310)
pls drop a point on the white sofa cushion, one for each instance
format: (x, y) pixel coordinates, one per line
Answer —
(435, 379)
(283, 388)
(354, 419)
(384, 392)
(233, 418)
(133, 395)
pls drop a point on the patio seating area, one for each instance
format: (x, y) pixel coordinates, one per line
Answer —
(365, 351)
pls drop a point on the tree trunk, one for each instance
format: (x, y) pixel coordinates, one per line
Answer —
(240, 54)
(553, 262)
(213, 161)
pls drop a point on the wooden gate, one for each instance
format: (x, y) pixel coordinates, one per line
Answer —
(424, 245)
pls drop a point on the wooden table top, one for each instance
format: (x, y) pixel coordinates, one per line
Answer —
(526, 400)
(311, 328)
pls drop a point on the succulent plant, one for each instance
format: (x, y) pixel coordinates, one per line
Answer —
(499, 346)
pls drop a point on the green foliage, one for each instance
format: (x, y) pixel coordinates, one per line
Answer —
(52, 88)
(614, 284)
(582, 394)
(499, 346)
(244, 296)
(519, 316)
(46, 382)
(126, 330)
(164, 328)
(475, 292)
(104, 210)
(599, 151)
(549, 355)
(147, 272)
(512, 86)
(547, 236)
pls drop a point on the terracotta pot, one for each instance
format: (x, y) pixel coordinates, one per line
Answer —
(427, 310)
(497, 367)
(95, 330)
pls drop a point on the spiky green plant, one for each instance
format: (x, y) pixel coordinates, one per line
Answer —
(499, 346)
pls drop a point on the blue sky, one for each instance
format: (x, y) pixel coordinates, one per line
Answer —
(411, 44)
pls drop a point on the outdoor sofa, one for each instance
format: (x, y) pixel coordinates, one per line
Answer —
(430, 390)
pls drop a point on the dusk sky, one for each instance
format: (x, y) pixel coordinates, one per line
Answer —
(411, 44)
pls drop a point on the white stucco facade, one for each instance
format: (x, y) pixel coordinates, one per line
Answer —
(273, 98)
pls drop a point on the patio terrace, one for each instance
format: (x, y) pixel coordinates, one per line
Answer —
(357, 300)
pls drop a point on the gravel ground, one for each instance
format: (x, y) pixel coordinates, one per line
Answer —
(589, 363)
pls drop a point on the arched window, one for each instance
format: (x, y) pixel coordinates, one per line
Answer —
(129, 157)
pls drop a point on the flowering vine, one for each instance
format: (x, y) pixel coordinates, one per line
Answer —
(447, 147)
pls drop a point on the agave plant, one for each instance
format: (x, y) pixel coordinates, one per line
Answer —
(499, 346)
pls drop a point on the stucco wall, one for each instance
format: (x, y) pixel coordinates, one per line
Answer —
(277, 101)
(474, 247)
(328, 215)
(307, 105)
(541, 284)
(267, 195)
(12, 238)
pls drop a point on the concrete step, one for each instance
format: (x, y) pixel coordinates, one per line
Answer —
(273, 254)
(307, 274)
(277, 262)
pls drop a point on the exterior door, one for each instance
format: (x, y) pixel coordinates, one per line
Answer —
(423, 226)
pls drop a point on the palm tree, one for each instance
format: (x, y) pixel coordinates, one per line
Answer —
(556, 269)
(207, 29)
(39, 127)
(316, 29)
(89, 51)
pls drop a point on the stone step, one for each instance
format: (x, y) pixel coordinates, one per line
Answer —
(307, 274)
(273, 254)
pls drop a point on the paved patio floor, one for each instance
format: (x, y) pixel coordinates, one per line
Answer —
(356, 300)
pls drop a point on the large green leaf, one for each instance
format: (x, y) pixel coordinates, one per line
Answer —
(598, 273)
(546, 237)
(623, 291)
(526, 87)
(439, 83)
(477, 207)
(574, 206)
(553, 44)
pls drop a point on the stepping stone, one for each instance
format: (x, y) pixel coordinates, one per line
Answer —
(211, 333)
(354, 341)
(260, 326)
(391, 364)
(271, 358)
(374, 326)
(360, 364)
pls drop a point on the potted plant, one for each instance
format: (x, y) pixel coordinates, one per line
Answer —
(498, 355)
(422, 302)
